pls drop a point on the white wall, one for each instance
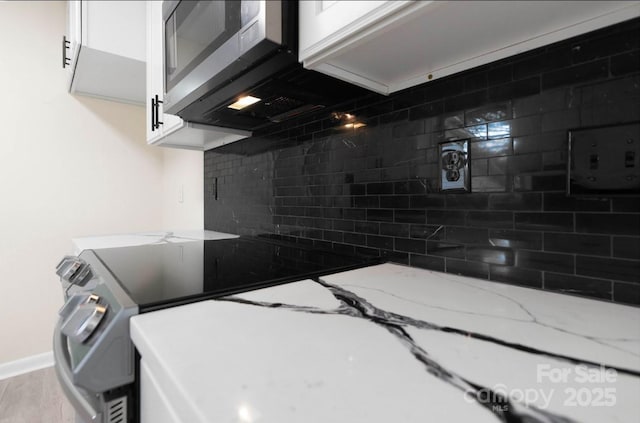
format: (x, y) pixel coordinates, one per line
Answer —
(182, 178)
(69, 166)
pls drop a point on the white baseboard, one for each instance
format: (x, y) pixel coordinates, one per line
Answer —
(26, 365)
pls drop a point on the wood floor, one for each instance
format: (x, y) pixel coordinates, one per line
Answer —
(34, 397)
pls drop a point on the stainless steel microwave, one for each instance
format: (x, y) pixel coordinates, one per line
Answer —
(234, 64)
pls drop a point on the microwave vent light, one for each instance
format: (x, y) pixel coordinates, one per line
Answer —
(244, 102)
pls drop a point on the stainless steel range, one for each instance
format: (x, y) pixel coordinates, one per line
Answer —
(96, 361)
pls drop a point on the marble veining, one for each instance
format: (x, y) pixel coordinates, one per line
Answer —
(504, 408)
(530, 318)
(355, 306)
(458, 350)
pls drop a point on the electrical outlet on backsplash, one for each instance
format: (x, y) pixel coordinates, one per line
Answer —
(378, 188)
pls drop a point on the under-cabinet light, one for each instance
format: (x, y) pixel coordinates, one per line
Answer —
(244, 102)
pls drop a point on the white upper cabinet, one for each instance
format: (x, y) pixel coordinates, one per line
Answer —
(387, 46)
(164, 129)
(104, 49)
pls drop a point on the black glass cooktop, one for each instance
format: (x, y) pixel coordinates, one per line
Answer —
(164, 275)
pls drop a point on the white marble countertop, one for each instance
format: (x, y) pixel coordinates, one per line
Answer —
(391, 343)
(143, 238)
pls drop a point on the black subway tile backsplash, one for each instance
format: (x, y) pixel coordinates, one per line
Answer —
(491, 255)
(380, 215)
(426, 201)
(576, 74)
(343, 225)
(465, 101)
(597, 245)
(354, 238)
(610, 223)
(559, 201)
(427, 262)
(559, 222)
(467, 201)
(367, 227)
(605, 46)
(410, 216)
(568, 284)
(511, 90)
(394, 201)
(416, 246)
(426, 231)
(380, 188)
(492, 148)
(617, 269)
(490, 219)
(526, 240)
(465, 235)
(626, 293)
(500, 73)
(625, 63)
(394, 229)
(516, 201)
(562, 263)
(488, 113)
(626, 247)
(545, 61)
(468, 268)
(384, 242)
(475, 81)
(445, 249)
(516, 276)
(377, 191)
(630, 204)
(434, 108)
(537, 143)
(540, 182)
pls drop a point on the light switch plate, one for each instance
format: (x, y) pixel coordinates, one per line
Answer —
(604, 160)
(454, 166)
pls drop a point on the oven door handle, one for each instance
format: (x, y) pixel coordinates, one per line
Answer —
(77, 398)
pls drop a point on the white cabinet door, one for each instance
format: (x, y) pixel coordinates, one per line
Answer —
(331, 28)
(72, 39)
(325, 22)
(115, 27)
(106, 49)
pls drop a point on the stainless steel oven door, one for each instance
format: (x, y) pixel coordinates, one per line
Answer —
(87, 406)
(205, 41)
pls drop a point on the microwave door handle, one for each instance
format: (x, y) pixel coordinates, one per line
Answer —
(172, 51)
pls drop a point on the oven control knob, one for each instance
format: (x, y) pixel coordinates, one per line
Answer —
(74, 270)
(68, 266)
(76, 300)
(83, 321)
(72, 303)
